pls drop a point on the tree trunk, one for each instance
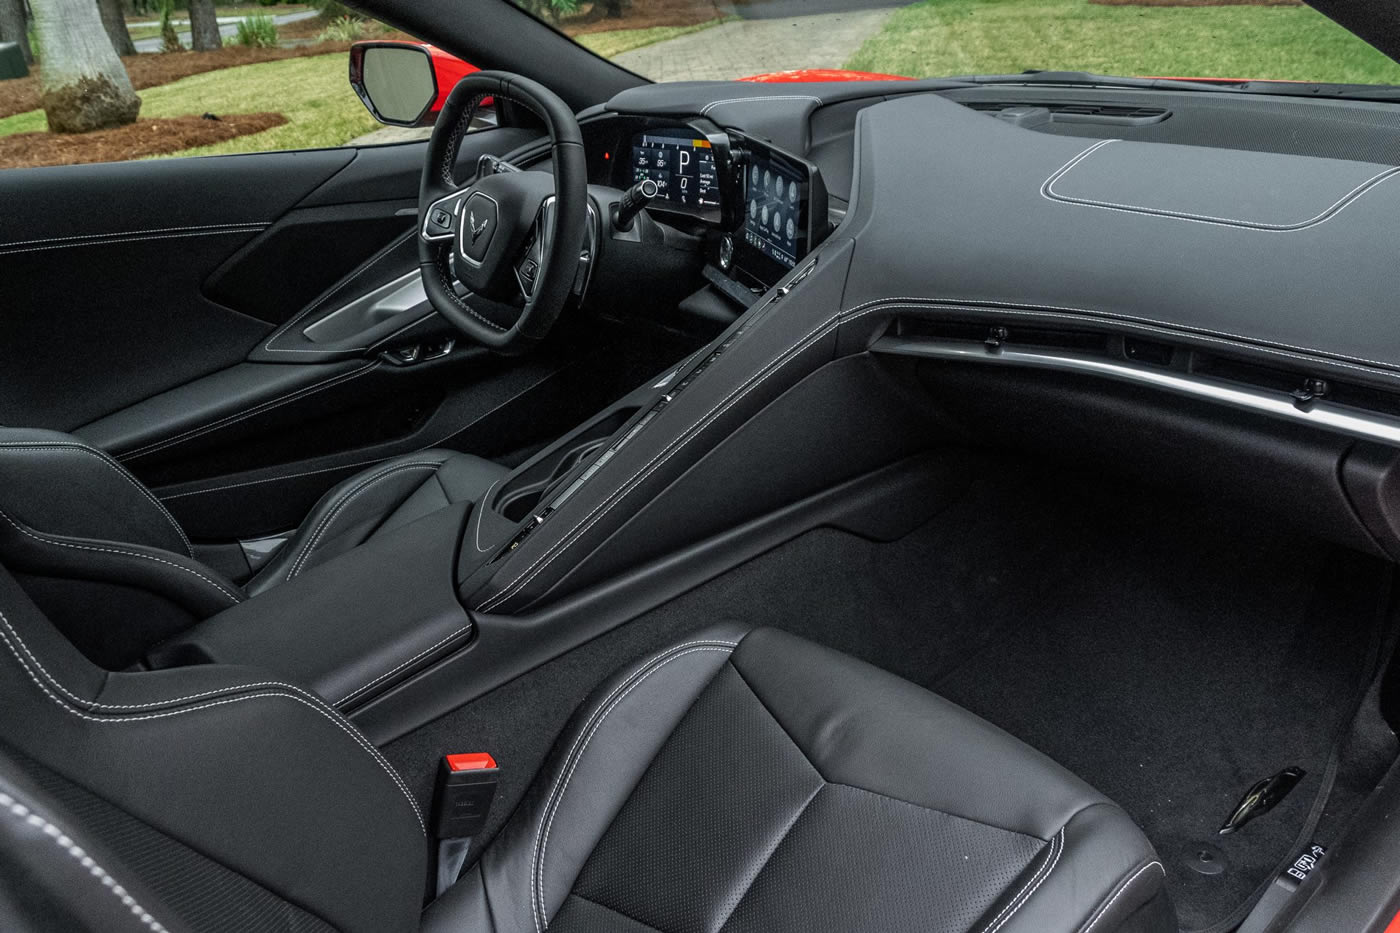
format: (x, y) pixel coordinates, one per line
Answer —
(14, 27)
(204, 26)
(114, 22)
(83, 84)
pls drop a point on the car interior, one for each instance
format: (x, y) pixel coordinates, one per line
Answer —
(885, 505)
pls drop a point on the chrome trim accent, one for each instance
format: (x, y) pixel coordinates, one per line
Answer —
(1318, 414)
(388, 301)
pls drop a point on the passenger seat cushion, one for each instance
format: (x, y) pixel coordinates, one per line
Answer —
(755, 781)
(377, 500)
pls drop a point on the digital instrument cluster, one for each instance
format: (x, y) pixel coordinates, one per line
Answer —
(770, 205)
(682, 163)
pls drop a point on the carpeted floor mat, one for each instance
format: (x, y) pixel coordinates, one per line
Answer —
(1170, 654)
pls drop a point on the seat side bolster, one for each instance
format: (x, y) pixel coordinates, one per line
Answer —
(596, 763)
(259, 775)
(199, 590)
(1105, 874)
(57, 484)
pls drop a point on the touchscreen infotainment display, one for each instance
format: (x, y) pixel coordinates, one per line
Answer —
(682, 163)
(775, 207)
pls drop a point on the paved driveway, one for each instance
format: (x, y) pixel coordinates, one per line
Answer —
(774, 42)
(228, 28)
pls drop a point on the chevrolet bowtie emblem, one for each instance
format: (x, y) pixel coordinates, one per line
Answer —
(477, 228)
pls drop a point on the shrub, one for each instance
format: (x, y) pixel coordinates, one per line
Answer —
(169, 38)
(343, 29)
(258, 32)
(332, 10)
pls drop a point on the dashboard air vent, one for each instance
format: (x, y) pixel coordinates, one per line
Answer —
(1031, 115)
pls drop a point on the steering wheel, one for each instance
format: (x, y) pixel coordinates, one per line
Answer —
(512, 239)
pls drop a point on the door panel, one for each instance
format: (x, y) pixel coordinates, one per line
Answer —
(103, 267)
(201, 319)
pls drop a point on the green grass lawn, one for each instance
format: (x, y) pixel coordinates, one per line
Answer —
(950, 37)
(608, 44)
(312, 93)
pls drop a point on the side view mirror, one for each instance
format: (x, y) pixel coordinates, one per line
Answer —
(404, 83)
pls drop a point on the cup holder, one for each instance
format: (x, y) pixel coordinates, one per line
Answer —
(525, 490)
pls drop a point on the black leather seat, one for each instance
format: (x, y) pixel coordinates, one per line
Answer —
(69, 510)
(736, 781)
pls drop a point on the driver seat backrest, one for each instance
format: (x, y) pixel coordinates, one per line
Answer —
(238, 801)
(97, 549)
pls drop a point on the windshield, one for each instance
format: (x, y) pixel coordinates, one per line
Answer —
(686, 40)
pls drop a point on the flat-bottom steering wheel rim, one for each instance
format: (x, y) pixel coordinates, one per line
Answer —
(554, 280)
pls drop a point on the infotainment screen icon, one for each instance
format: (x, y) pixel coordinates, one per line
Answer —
(775, 198)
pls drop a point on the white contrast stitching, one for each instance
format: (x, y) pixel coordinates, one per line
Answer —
(299, 695)
(54, 542)
(1104, 908)
(103, 239)
(64, 842)
(1057, 846)
(349, 496)
(747, 100)
(273, 479)
(1047, 191)
(426, 651)
(121, 471)
(248, 412)
(586, 733)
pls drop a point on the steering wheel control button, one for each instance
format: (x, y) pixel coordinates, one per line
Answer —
(440, 220)
(480, 216)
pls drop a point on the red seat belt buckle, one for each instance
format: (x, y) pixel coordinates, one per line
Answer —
(466, 786)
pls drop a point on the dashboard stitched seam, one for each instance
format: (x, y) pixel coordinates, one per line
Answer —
(54, 542)
(389, 673)
(748, 100)
(86, 861)
(1057, 847)
(130, 236)
(580, 745)
(1122, 888)
(1047, 191)
(107, 460)
(246, 413)
(298, 695)
(348, 498)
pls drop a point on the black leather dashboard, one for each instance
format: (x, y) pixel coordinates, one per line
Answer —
(1287, 257)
